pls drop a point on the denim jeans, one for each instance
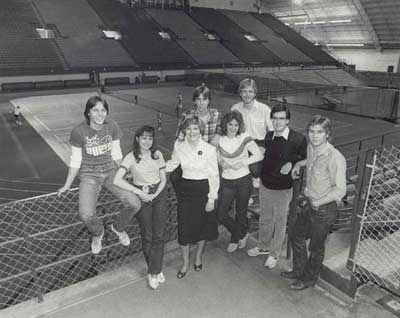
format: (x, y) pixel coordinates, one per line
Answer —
(314, 225)
(152, 219)
(89, 189)
(274, 208)
(240, 190)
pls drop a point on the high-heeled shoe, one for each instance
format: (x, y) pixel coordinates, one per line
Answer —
(198, 268)
(181, 274)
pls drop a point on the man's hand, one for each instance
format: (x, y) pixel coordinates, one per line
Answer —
(210, 205)
(296, 171)
(286, 168)
(62, 190)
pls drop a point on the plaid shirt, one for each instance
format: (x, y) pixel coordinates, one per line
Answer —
(212, 126)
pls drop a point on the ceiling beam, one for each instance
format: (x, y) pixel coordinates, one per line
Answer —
(364, 16)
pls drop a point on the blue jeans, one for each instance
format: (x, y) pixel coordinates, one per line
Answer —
(152, 219)
(240, 190)
(89, 189)
(314, 225)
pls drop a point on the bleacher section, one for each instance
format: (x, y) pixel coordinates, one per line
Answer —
(232, 37)
(21, 48)
(277, 45)
(192, 39)
(305, 76)
(340, 77)
(295, 39)
(140, 36)
(82, 43)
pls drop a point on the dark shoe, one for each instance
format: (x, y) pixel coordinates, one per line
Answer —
(299, 285)
(290, 275)
(180, 274)
(198, 268)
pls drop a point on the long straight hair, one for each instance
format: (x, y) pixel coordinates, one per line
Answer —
(136, 146)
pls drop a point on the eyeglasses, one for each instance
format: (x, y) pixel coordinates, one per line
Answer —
(279, 118)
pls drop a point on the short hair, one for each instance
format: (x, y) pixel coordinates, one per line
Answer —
(202, 90)
(92, 102)
(228, 117)
(280, 108)
(192, 120)
(248, 82)
(323, 121)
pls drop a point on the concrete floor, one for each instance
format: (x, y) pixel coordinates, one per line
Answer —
(230, 285)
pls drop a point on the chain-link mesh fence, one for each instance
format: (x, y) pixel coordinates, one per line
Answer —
(44, 246)
(377, 256)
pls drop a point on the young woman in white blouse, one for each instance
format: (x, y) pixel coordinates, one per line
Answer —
(196, 192)
(147, 167)
(233, 154)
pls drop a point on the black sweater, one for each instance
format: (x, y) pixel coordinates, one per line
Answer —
(279, 151)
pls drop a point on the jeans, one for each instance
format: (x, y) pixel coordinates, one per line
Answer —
(274, 208)
(152, 219)
(89, 189)
(314, 225)
(240, 190)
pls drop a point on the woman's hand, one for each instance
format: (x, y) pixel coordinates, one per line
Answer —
(210, 205)
(286, 168)
(144, 196)
(296, 171)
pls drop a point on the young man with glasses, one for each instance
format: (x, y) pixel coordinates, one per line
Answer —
(284, 147)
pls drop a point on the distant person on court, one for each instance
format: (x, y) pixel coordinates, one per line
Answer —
(96, 154)
(325, 187)
(17, 115)
(256, 118)
(234, 160)
(284, 147)
(159, 121)
(146, 165)
(196, 191)
(179, 105)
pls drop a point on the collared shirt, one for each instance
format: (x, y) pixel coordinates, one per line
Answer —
(147, 170)
(256, 119)
(197, 163)
(212, 126)
(285, 134)
(326, 173)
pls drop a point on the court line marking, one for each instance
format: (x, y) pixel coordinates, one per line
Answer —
(42, 123)
(21, 150)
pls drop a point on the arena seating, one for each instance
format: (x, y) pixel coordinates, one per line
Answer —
(192, 39)
(82, 42)
(21, 48)
(287, 52)
(140, 35)
(340, 77)
(295, 39)
(232, 37)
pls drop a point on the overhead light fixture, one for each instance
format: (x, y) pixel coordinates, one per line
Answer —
(340, 21)
(346, 44)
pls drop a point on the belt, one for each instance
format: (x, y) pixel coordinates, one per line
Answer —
(148, 188)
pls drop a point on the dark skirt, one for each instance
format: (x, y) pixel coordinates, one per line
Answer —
(194, 223)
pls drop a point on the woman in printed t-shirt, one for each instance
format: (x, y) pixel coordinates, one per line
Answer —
(96, 154)
(147, 167)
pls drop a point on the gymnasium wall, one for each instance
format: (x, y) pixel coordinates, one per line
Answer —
(368, 59)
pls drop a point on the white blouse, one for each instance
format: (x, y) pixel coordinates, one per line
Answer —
(197, 163)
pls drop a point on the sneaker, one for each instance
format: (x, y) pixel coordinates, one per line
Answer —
(232, 247)
(161, 278)
(271, 262)
(153, 281)
(256, 251)
(256, 182)
(96, 243)
(243, 241)
(123, 237)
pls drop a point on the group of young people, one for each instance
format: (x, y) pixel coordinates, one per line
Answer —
(217, 160)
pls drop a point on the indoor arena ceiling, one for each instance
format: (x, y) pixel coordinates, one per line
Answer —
(370, 23)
